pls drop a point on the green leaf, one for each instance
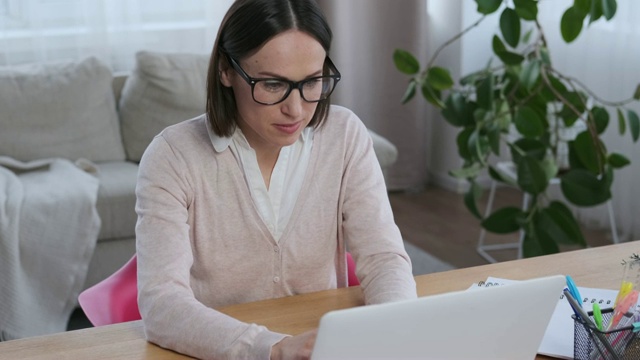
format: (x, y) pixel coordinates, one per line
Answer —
(544, 55)
(432, 95)
(503, 118)
(528, 122)
(532, 177)
(510, 27)
(497, 45)
(636, 94)
(410, 92)
(574, 160)
(530, 147)
(527, 36)
(405, 62)
(601, 118)
(634, 124)
(479, 146)
(494, 140)
(531, 244)
(507, 57)
(556, 224)
(583, 188)
(584, 6)
(596, 11)
(526, 9)
(568, 115)
(587, 152)
(468, 172)
(471, 198)
(547, 232)
(530, 74)
(487, 7)
(439, 78)
(503, 221)
(618, 161)
(497, 176)
(622, 125)
(571, 24)
(609, 8)
(484, 93)
(458, 112)
(570, 224)
(550, 168)
(463, 143)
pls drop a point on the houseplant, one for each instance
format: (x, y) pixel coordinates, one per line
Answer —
(520, 103)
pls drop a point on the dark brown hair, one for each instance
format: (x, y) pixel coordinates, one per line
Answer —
(247, 25)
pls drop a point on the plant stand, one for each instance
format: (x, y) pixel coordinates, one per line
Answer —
(507, 169)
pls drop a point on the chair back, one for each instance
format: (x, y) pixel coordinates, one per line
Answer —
(114, 299)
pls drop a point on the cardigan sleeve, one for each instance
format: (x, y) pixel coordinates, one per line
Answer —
(382, 264)
(173, 318)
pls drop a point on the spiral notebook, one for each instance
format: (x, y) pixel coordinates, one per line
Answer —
(558, 338)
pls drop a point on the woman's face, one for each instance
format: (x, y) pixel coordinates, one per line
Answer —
(291, 55)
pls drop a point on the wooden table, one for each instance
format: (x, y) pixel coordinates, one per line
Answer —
(596, 267)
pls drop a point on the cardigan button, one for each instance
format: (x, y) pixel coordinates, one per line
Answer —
(276, 279)
(276, 249)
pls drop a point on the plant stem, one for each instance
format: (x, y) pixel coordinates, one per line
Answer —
(449, 42)
(590, 92)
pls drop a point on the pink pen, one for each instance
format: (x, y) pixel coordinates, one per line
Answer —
(622, 308)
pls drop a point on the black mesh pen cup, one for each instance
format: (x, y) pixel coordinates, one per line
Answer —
(617, 344)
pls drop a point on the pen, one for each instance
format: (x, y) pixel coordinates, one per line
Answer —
(625, 288)
(597, 315)
(581, 314)
(622, 308)
(574, 290)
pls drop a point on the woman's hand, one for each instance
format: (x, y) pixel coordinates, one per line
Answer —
(295, 347)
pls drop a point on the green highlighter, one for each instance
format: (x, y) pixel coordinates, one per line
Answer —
(597, 316)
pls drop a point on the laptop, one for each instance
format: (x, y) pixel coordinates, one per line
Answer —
(502, 322)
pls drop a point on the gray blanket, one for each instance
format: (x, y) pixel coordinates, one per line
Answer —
(48, 231)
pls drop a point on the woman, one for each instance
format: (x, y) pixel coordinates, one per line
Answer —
(259, 197)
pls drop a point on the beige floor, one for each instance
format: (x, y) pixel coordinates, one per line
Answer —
(437, 221)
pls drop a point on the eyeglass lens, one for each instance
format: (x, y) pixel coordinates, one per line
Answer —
(273, 91)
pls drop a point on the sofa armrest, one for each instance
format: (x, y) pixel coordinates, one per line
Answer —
(386, 152)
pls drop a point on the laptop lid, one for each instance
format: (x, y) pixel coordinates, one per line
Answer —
(503, 322)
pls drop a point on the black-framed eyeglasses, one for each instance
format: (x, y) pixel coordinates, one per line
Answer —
(271, 91)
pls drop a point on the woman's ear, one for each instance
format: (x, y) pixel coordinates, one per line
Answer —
(224, 72)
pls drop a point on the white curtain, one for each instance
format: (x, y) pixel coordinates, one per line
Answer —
(366, 32)
(112, 30)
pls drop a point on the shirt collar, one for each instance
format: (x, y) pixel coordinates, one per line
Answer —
(220, 143)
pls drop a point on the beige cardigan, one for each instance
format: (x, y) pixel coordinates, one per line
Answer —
(201, 243)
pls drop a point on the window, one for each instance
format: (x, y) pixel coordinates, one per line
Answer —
(113, 30)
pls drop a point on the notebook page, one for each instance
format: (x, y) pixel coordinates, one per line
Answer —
(558, 338)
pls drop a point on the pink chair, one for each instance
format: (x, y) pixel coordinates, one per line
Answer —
(351, 271)
(115, 299)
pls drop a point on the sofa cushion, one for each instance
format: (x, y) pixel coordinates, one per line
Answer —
(163, 90)
(117, 199)
(66, 109)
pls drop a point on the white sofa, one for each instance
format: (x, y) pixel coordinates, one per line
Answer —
(81, 110)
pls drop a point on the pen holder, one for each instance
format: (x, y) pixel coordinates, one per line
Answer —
(592, 344)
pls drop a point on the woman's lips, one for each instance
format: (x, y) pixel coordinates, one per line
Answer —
(288, 128)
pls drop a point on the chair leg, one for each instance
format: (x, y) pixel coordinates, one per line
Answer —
(525, 205)
(612, 223)
(483, 232)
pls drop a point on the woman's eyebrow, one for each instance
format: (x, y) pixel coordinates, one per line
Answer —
(274, 75)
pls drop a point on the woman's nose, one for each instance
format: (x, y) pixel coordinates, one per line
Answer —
(292, 105)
